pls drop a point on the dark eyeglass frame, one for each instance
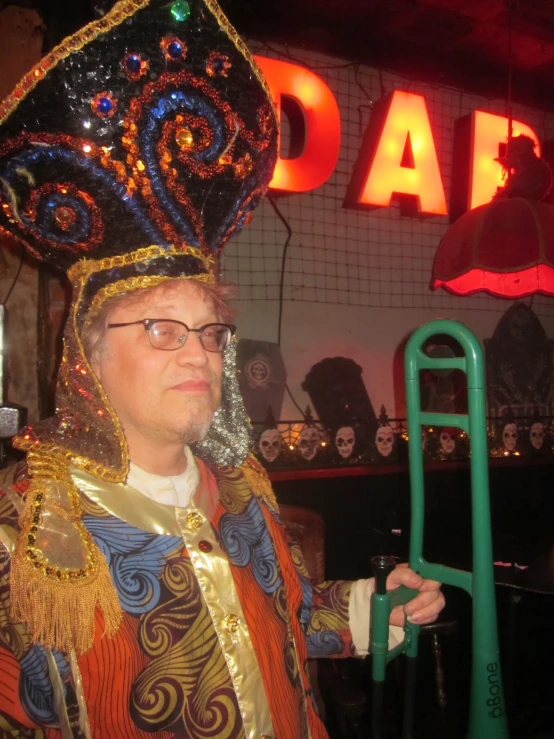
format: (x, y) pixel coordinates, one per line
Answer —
(148, 323)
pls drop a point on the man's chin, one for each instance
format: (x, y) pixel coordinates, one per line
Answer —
(196, 427)
(195, 433)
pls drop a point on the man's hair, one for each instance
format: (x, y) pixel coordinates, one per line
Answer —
(220, 294)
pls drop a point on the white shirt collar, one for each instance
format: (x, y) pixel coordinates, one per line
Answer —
(176, 490)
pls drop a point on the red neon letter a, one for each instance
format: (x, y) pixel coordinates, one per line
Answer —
(406, 117)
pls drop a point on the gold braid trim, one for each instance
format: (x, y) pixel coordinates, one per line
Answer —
(97, 469)
(123, 287)
(56, 589)
(223, 22)
(259, 482)
(82, 269)
(120, 12)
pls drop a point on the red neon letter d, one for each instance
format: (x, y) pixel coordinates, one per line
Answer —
(321, 123)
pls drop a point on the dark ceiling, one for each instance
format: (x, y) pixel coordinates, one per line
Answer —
(458, 42)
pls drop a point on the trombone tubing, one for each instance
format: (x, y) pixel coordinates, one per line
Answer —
(487, 710)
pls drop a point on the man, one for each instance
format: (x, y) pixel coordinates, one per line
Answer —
(148, 584)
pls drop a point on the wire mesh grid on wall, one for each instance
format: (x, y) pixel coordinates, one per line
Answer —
(344, 256)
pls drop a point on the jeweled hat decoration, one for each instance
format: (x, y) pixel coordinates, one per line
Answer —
(128, 156)
(149, 127)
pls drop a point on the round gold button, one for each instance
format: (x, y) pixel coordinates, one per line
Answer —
(193, 521)
(231, 623)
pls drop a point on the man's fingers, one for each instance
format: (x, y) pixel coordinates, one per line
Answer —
(429, 585)
(397, 616)
(421, 610)
(403, 575)
(425, 608)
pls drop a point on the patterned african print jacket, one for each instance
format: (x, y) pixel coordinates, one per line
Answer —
(219, 620)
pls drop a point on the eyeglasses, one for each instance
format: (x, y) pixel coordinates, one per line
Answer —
(171, 335)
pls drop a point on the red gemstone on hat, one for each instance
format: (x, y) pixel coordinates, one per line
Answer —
(205, 546)
(65, 217)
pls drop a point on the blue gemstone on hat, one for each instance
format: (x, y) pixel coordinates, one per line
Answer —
(175, 49)
(104, 105)
(218, 65)
(133, 63)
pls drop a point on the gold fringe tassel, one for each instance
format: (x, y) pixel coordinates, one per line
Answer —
(62, 614)
(58, 604)
(259, 482)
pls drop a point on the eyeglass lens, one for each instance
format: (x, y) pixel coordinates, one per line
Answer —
(171, 335)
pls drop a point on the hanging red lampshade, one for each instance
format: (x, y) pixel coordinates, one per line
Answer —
(505, 248)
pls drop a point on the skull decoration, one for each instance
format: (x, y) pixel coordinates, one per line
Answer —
(536, 435)
(308, 441)
(509, 437)
(423, 438)
(270, 444)
(384, 440)
(344, 440)
(259, 371)
(447, 440)
(384, 437)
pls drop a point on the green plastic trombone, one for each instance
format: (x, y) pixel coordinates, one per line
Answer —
(487, 719)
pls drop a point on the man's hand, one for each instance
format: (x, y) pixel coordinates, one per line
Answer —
(425, 607)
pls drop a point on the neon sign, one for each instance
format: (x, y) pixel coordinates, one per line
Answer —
(486, 174)
(398, 156)
(320, 111)
(401, 159)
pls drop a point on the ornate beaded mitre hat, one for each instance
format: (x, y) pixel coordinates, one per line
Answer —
(128, 156)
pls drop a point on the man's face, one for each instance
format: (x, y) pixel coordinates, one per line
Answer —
(160, 395)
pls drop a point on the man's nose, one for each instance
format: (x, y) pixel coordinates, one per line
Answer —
(192, 352)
